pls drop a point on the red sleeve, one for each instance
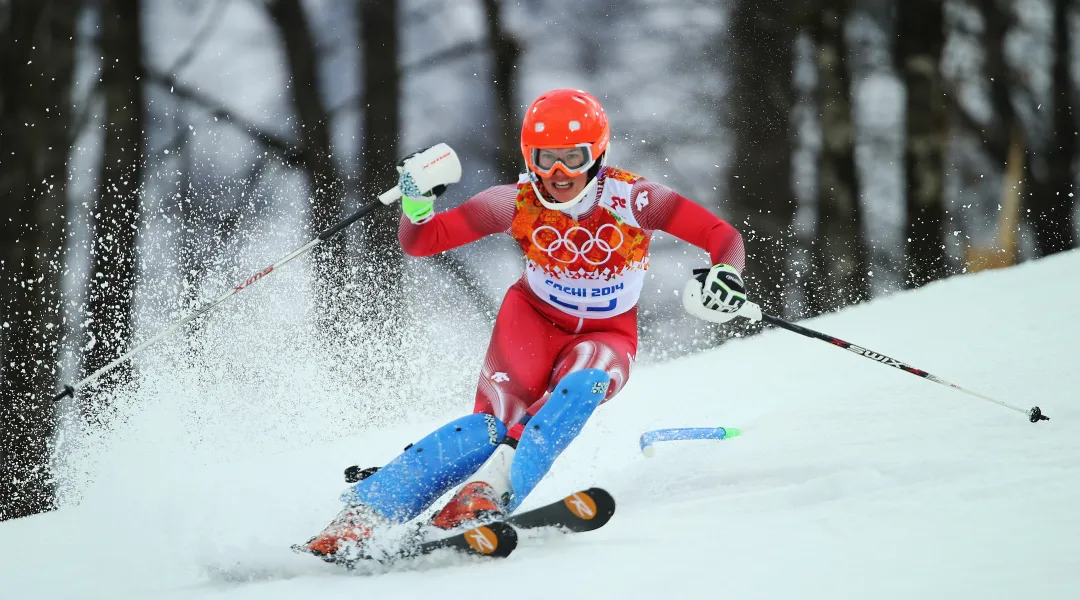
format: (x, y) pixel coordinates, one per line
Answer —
(658, 207)
(490, 211)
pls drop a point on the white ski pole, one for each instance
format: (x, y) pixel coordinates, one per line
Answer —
(441, 166)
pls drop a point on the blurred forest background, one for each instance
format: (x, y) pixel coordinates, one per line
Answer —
(861, 146)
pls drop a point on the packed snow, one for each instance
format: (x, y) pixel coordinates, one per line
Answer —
(851, 479)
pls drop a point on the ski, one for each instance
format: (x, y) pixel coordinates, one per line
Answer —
(581, 511)
(495, 540)
(585, 510)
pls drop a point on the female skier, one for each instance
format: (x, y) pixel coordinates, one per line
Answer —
(566, 332)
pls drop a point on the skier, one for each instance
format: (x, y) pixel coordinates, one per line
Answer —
(566, 333)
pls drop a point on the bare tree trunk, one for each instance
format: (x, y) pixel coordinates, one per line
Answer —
(325, 184)
(111, 289)
(382, 128)
(1051, 203)
(997, 134)
(384, 309)
(1003, 138)
(921, 37)
(37, 56)
(759, 109)
(505, 53)
(838, 275)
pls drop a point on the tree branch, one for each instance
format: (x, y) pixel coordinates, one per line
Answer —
(420, 66)
(207, 27)
(452, 53)
(987, 133)
(292, 153)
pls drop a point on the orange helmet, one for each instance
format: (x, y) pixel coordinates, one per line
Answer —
(564, 118)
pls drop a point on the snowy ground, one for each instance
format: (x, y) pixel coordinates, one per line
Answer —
(852, 480)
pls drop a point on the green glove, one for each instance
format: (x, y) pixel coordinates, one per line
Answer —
(418, 210)
(419, 204)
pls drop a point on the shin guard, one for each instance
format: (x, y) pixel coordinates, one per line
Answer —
(553, 427)
(429, 468)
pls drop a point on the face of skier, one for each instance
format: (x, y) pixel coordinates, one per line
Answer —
(563, 187)
(563, 170)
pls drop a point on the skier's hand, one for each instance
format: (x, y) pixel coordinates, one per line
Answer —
(419, 204)
(716, 294)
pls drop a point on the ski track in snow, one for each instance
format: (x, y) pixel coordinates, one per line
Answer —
(852, 480)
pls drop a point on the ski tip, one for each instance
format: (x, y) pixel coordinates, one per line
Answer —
(602, 497)
(594, 506)
(495, 539)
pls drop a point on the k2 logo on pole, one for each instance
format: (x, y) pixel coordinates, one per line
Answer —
(578, 243)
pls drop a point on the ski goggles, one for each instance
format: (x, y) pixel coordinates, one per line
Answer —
(573, 161)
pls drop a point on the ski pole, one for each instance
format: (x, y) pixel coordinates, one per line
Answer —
(683, 433)
(440, 166)
(1034, 414)
(69, 390)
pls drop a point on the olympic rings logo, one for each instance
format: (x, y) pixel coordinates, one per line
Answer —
(578, 242)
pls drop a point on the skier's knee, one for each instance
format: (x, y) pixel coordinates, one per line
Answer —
(587, 385)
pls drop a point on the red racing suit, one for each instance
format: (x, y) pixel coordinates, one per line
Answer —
(575, 306)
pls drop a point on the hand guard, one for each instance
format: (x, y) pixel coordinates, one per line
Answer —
(717, 294)
(422, 177)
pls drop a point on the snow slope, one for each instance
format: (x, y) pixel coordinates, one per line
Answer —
(851, 480)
